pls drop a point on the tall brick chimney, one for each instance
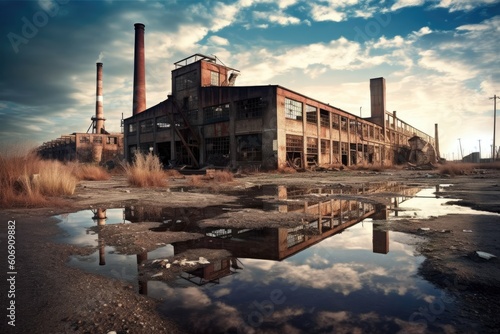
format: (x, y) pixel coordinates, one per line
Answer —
(139, 102)
(99, 110)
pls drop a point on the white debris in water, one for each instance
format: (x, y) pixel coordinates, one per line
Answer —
(468, 231)
(424, 229)
(167, 265)
(112, 332)
(157, 275)
(485, 255)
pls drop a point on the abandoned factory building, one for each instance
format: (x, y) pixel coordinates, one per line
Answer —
(96, 145)
(207, 120)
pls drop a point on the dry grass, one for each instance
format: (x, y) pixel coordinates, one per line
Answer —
(464, 168)
(287, 170)
(146, 171)
(28, 180)
(89, 172)
(217, 177)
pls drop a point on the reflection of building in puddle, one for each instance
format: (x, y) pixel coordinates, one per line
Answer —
(100, 219)
(213, 272)
(334, 210)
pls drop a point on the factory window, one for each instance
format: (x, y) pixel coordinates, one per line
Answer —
(249, 147)
(250, 108)
(325, 146)
(312, 145)
(335, 121)
(214, 78)
(147, 125)
(186, 81)
(217, 150)
(335, 147)
(371, 131)
(294, 143)
(343, 123)
(112, 140)
(293, 109)
(324, 118)
(132, 128)
(162, 123)
(311, 114)
(365, 130)
(84, 139)
(217, 113)
(97, 139)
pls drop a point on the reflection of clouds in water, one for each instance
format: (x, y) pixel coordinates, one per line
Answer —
(222, 292)
(342, 278)
(190, 297)
(317, 260)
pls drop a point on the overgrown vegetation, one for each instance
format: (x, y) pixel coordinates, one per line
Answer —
(464, 168)
(212, 177)
(28, 180)
(146, 171)
(88, 172)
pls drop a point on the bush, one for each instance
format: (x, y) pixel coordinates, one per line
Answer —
(146, 171)
(89, 172)
(28, 180)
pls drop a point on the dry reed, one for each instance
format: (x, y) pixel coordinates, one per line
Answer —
(89, 172)
(28, 180)
(146, 171)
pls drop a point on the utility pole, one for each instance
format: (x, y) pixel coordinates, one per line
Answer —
(461, 152)
(494, 124)
(479, 150)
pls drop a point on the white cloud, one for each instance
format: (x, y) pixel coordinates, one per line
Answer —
(464, 5)
(407, 3)
(217, 40)
(278, 17)
(326, 13)
(458, 70)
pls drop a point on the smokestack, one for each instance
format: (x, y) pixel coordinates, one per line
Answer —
(139, 102)
(436, 139)
(99, 111)
(377, 98)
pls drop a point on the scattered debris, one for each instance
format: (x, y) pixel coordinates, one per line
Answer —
(157, 275)
(424, 229)
(468, 231)
(484, 255)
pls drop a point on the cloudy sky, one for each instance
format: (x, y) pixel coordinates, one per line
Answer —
(440, 58)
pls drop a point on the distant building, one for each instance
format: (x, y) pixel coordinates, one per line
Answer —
(97, 146)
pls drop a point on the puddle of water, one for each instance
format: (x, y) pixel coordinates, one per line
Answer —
(427, 203)
(340, 272)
